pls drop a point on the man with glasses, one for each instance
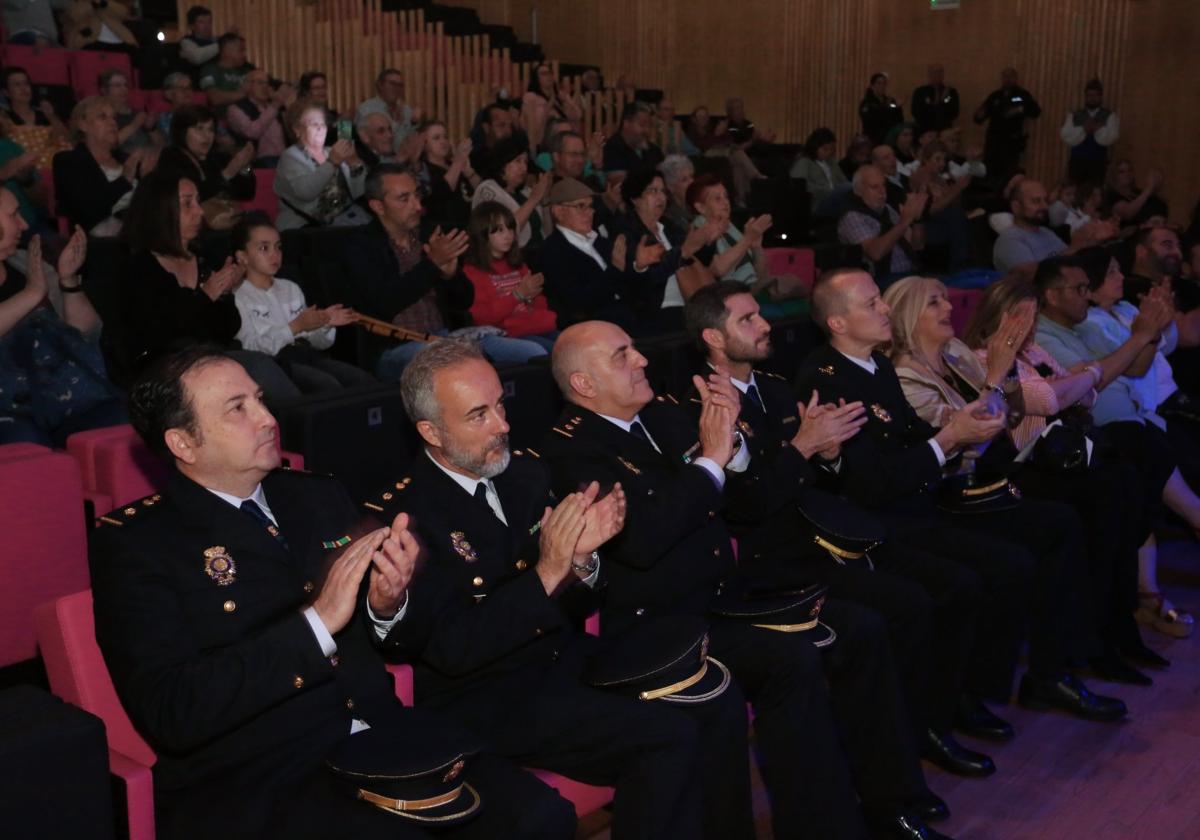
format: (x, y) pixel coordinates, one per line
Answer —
(582, 284)
(389, 101)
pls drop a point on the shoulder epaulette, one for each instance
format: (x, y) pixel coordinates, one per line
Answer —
(569, 426)
(527, 451)
(666, 397)
(389, 494)
(768, 373)
(119, 516)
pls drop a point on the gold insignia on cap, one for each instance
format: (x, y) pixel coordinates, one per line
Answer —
(816, 610)
(704, 648)
(453, 772)
(881, 412)
(219, 566)
(826, 369)
(458, 541)
(745, 429)
(629, 466)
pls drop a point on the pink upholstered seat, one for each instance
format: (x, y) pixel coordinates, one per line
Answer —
(87, 65)
(45, 548)
(800, 262)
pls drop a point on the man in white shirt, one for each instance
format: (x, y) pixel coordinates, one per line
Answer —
(1090, 132)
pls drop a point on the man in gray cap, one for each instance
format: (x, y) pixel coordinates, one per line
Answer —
(582, 282)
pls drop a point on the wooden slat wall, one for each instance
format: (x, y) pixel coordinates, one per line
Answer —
(804, 63)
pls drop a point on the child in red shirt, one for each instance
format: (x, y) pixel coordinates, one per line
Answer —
(507, 295)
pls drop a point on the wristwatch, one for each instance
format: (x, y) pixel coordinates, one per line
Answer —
(589, 568)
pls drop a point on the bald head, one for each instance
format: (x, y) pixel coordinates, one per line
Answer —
(596, 366)
(829, 296)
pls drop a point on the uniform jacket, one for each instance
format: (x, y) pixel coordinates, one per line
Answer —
(674, 553)
(478, 613)
(228, 683)
(888, 464)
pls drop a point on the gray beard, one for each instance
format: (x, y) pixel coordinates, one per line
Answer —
(476, 465)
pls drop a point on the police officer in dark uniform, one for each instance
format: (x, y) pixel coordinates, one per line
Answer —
(673, 558)
(236, 639)
(1005, 111)
(1023, 552)
(494, 618)
(929, 602)
(935, 105)
(878, 111)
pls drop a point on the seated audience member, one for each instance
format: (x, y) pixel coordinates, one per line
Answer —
(224, 79)
(945, 221)
(314, 86)
(198, 47)
(495, 123)
(557, 100)
(32, 23)
(504, 182)
(826, 183)
(507, 295)
(52, 379)
(678, 173)
(738, 256)
(318, 186)
(1024, 553)
(373, 136)
(902, 138)
(389, 101)
(178, 658)
(1028, 241)
(711, 136)
(85, 23)
(669, 132)
(19, 174)
(1134, 206)
(392, 276)
(630, 147)
(1063, 296)
(171, 299)
(276, 319)
(257, 118)
(888, 236)
(878, 111)
(673, 559)
(962, 162)
(659, 259)
(446, 175)
(1062, 200)
(135, 128)
(742, 130)
(896, 183)
(93, 182)
(857, 154)
(30, 121)
(177, 90)
(568, 156)
(220, 179)
(940, 375)
(582, 283)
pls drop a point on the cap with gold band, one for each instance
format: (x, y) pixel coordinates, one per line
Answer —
(772, 606)
(424, 782)
(975, 493)
(661, 659)
(839, 529)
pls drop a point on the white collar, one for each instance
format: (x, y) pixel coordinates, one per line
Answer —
(868, 364)
(586, 244)
(468, 484)
(258, 497)
(742, 386)
(624, 424)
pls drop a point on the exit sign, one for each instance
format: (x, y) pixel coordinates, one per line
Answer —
(941, 5)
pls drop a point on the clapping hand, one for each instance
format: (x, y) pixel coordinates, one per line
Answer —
(913, 207)
(243, 157)
(35, 271)
(1004, 345)
(756, 228)
(649, 252)
(717, 415)
(72, 256)
(561, 531)
(444, 249)
(824, 428)
(602, 521)
(223, 280)
(392, 567)
(531, 285)
(338, 315)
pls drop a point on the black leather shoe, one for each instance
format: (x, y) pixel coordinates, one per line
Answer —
(929, 808)
(1142, 655)
(904, 827)
(974, 718)
(953, 757)
(1069, 694)
(1113, 668)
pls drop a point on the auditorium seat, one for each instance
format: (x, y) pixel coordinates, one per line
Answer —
(45, 65)
(45, 553)
(800, 262)
(85, 67)
(965, 302)
(264, 200)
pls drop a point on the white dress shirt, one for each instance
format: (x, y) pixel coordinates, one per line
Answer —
(587, 244)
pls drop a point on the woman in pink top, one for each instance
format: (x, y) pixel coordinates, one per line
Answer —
(507, 295)
(1048, 390)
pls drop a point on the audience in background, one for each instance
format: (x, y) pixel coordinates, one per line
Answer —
(85, 23)
(678, 173)
(1134, 205)
(221, 180)
(224, 78)
(1005, 111)
(630, 147)
(257, 118)
(446, 175)
(825, 180)
(857, 153)
(1029, 241)
(935, 104)
(389, 101)
(30, 122)
(135, 126)
(878, 111)
(888, 236)
(314, 86)
(177, 90)
(198, 47)
(507, 167)
(1089, 132)
(317, 186)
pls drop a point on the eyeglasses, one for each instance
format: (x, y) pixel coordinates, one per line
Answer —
(1076, 288)
(578, 205)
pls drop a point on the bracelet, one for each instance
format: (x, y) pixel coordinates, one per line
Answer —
(588, 568)
(70, 290)
(1097, 374)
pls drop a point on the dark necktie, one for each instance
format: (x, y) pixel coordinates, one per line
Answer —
(638, 430)
(755, 397)
(256, 513)
(481, 493)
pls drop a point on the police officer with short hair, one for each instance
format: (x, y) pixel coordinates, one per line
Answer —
(1005, 111)
(229, 611)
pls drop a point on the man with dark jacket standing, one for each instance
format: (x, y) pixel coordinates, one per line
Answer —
(1005, 111)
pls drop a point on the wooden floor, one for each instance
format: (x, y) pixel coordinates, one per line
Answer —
(1064, 779)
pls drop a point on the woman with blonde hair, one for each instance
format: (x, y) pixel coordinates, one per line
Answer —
(940, 373)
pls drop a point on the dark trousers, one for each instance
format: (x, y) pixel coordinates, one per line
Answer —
(1146, 448)
(930, 605)
(803, 767)
(546, 717)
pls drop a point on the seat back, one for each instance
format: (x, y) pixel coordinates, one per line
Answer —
(965, 302)
(66, 633)
(45, 65)
(800, 262)
(82, 446)
(86, 66)
(45, 540)
(264, 199)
